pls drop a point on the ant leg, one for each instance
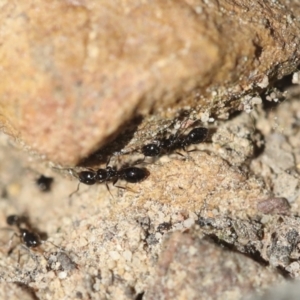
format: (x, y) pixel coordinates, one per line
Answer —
(182, 129)
(58, 247)
(72, 173)
(121, 187)
(187, 151)
(139, 161)
(114, 184)
(108, 161)
(115, 181)
(55, 245)
(142, 161)
(10, 248)
(70, 196)
(107, 187)
(34, 257)
(192, 150)
(181, 155)
(125, 188)
(19, 257)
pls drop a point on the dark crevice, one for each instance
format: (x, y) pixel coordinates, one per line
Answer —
(251, 253)
(258, 50)
(115, 144)
(28, 290)
(140, 296)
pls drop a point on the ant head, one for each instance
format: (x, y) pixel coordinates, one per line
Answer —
(87, 177)
(13, 220)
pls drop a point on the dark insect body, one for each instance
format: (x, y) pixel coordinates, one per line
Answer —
(111, 174)
(31, 238)
(175, 142)
(129, 174)
(195, 136)
(133, 174)
(15, 220)
(28, 236)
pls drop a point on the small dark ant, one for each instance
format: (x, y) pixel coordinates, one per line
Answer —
(29, 237)
(32, 239)
(44, 183)
(129, 174)
(174, 142)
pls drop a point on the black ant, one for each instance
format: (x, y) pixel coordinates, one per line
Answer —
(44, 183)
(129, 174)
(174, 142)
(29, 236)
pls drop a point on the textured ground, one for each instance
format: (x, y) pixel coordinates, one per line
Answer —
(212, 222)
(220, 222)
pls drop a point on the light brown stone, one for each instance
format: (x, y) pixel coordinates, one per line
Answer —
(73, 72)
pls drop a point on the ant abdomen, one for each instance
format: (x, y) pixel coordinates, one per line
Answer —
(133, 174)
(13, 220)
(196, 136)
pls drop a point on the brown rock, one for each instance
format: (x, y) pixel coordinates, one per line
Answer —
(190, 266)
(109, 243)
(274, 205)
(74, 72)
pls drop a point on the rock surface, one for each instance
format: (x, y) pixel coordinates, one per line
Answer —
(221, 274)
(74, 72)
(124, 244)
(229, 205)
